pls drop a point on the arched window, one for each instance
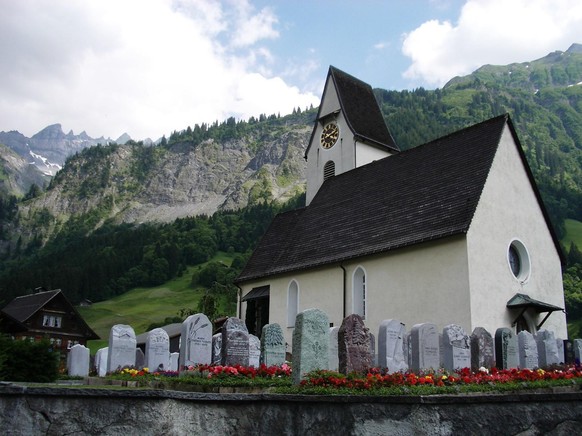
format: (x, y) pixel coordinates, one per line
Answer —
(359, 292)
(292, 303)
(328, 170)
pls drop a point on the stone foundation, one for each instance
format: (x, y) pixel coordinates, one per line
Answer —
(91, 411)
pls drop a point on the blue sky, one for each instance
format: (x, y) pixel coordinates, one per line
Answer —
(148, 67)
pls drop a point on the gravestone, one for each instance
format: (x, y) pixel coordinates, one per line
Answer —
(174, 360)
(272, 345)
(333, 361)
(101, 361)
(354, 342)
(157, 350)
(547, 348)
(310, 343)
(373, 350)
(407, 348)
(506, 349)
(482, 349)
(528, 350)
(569, 358)
(235, 343)
(561, 351)
(391, 353)
(424, 345)
(139, 358)
(78, 361)
(196, 345)
(254, 351)
(577, 350)
(217, 349)
(456, 348)
(122, 345)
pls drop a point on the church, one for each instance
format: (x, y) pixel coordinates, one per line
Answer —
(453, 231)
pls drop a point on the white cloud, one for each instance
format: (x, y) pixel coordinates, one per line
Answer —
(491, 32)
(142, 67)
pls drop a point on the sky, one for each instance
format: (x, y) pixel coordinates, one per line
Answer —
(149, 67)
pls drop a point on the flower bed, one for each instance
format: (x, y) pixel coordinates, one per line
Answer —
(376, 381)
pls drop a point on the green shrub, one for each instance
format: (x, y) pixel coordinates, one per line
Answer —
(24, 361)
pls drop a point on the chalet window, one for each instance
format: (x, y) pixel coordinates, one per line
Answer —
(51, 321)
(359, 290)
(328, 170)
(292, 303)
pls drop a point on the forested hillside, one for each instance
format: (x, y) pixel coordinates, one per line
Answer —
(119, 216)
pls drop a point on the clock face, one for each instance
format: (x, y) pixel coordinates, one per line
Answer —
(329, 135)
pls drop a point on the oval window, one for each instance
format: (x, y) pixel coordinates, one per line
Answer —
(518, 259)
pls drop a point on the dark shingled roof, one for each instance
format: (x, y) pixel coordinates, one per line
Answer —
(22, 308)
(361, 110)
(422, 194)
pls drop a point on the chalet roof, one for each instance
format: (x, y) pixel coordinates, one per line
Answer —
(23, 307)
(361, 110)
(422, 194)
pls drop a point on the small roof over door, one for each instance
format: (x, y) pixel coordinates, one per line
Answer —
(259, 292)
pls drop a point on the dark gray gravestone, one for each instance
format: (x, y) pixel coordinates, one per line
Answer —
(272, 345)
(235, 343)
(528, 350)
(482, 349)
(157, 350)
(456, 348)
(354, 342)
(310, 343)
(195, 341)
(506, 349)
(424, 345)
(391, 353)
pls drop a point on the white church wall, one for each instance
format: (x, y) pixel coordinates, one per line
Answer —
(366, 154)
(508, 210)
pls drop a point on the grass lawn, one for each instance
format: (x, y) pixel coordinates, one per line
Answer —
(141, 307)
(573, 233)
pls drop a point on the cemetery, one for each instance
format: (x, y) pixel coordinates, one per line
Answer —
(417, 379)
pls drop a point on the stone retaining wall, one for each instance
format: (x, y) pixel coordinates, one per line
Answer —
(90, 411)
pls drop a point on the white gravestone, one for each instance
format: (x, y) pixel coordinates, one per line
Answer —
(101, 361)
(272, 345)
(174, 359)
(528, 350)
(424, 345)
(157, 350)
(254, 351)
(577, 346)
(196, 341)
(78, 361)
(391, 353)
(122, 345)
(456, 348)
(547, 348)
(333, 349)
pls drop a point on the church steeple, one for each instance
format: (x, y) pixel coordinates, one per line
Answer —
(349, 130)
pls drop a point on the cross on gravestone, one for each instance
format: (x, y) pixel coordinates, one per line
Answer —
(235, 343)
(506, 349)
(101, 361)
(157, 350)
(254, 351)
(528, 350)
(391, 353)
(333, 361)
(196, 341)
(547, 348)
(456, 348)
(217, 349)
(122, 345)
(78, 361)
(272, 345)
(425, 349)
(354, 350)
(482, 349)
(310, 343)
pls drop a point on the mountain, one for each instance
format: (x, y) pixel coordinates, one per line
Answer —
(206, 168)
(49, 148)
(18, 175)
